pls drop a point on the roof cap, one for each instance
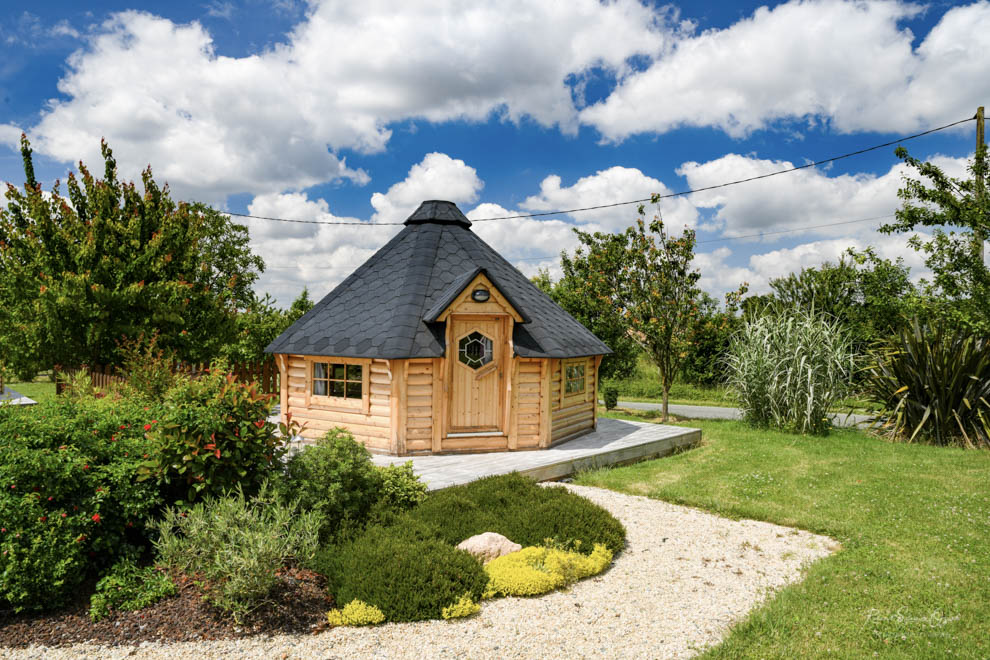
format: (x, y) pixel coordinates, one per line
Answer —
(438, 212)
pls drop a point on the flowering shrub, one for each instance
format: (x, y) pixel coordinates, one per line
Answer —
(537, 570)
(69, 499)
(355, 613)
(464, 607)
(213, 435)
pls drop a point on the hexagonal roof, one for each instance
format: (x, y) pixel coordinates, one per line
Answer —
(379, 311)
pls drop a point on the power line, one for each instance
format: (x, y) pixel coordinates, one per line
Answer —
(632, 201)
(711, 240)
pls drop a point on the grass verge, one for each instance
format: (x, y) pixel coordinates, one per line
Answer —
(913, 577)
(38, 391)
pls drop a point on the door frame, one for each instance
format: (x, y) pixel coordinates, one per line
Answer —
(501, 352)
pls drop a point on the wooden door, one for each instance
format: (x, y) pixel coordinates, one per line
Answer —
(475, 359)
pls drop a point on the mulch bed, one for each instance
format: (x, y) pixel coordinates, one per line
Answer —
(300, 604)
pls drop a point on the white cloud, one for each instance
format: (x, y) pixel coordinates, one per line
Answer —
(437, 176)
(798, 200)
(277, 120)
(616, 184)
(719, 276)
(529, 243)
(837, 61)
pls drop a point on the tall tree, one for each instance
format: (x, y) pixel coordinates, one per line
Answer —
(260, 323)
(645, 273)
(79, 274)
(956, 211)
(597, 313)
(870, 296)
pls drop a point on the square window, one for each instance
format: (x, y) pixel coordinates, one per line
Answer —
(354, 372)
(320, 370)
(337, 388)
(320, 387)
(339, 372)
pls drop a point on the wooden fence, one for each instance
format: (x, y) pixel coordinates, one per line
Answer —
(265, 374)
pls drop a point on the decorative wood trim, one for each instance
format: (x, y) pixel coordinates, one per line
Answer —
(512, 408)
(438, 398)
(594, 400)
(283, 386)
(496, 303)
(398, 403)
(546, 374)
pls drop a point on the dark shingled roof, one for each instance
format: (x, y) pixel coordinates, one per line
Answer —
(386, 308)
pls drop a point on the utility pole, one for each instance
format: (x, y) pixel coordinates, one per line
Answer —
(979, 235)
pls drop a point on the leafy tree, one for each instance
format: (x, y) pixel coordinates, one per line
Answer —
(260, 323)
(79, 274)
(598, 314)
(957, 211)
(869, 296)
(710, 337)
(645, 273)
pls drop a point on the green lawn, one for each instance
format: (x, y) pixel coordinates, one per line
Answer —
(913, 577)
(39, 391)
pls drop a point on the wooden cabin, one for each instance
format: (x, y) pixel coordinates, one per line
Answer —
(437, 344)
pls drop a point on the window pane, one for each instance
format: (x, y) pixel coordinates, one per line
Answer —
(354, 372)
(320, 387)
(339, 371)
(319, 370)
(353, 390)
(336, 388)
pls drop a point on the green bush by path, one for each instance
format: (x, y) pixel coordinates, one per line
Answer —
(912, 579)
(407, 577)
(407, 564)
(519, 509)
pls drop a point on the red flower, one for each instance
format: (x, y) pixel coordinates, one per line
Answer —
(210, 446)
(50, 499)
(122, 427)
(154, 421)
(63, 515)
(260, 423)
(3, 529)
(96, 517)
(86, 467)
(213, 437)
(147, 427)
(218, 453)
(44, 518)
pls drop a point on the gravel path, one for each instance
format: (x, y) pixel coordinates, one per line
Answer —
(685, 577)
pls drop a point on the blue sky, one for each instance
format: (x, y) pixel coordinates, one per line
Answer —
(340, 111)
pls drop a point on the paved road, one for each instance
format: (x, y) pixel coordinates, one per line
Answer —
(721, 412)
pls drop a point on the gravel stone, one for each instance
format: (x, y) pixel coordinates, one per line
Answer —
(684, 579)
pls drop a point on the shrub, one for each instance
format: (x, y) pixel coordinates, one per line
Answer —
(127, 587)
(69, 500)
(537, 570)
(932, 384)
(408, 576)
(788, 369)
(355, 613)
(237, 545)
(610, 394)
(519, 509)
(464, 607)
(400, 488)
(336, 478)
(148, 366)
(213, 435)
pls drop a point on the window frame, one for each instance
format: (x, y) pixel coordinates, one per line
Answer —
(329, 402)
(570, 398)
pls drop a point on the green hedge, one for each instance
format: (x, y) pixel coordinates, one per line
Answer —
(408, 566)
(519, 509)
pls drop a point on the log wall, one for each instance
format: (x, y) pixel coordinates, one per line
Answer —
(372, 428)
(572, 415)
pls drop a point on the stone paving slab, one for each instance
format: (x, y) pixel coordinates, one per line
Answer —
(614, 442)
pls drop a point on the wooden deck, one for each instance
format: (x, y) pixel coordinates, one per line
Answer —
(615, 442)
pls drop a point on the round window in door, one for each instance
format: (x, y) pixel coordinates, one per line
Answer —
(474, 350)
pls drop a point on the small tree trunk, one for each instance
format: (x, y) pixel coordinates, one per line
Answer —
(665, 392)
